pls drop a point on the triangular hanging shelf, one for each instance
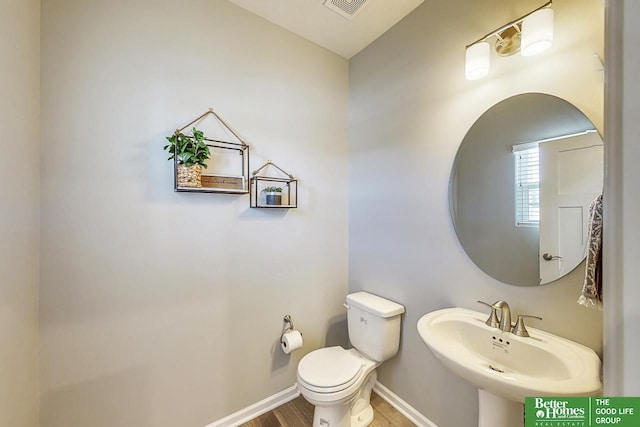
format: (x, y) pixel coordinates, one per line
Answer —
(270, 163)
(229, 176)
(268, 192)
(220, 119)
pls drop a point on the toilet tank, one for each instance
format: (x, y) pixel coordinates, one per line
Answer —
(374, 325)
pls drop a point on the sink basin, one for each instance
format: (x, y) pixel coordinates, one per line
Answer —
(507, 365)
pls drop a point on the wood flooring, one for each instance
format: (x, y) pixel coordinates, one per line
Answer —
(299, 413)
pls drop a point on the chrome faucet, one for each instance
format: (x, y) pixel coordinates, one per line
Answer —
(505, 315)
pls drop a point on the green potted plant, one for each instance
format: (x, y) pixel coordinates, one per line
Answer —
(191, 153)
(273, 195)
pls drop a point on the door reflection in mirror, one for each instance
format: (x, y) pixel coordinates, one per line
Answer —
(572, 169)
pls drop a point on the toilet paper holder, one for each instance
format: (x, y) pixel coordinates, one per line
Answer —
(288, 326)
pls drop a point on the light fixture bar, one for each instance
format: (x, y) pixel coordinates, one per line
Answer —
(513, 23)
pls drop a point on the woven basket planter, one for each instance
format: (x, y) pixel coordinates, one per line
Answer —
(190, 176)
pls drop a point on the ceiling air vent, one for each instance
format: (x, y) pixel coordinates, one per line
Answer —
(346, 8)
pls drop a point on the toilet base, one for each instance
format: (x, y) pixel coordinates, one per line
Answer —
(361, 410)
(356, 412)
(364, 418)
(332, 416)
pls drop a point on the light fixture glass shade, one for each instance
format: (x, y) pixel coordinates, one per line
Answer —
(537, 32)
(477, 62)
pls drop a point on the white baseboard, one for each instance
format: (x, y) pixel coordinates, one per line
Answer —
(403, 407)
(247, 414)
(257, 409)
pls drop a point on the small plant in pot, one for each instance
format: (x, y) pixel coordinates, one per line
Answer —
(273, 195)
(191, 153)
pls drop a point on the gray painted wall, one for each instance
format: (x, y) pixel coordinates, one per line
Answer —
(410, 108)
(161, 308)
(485, 201)
(622, 338)
(631, 197)
(19, 127)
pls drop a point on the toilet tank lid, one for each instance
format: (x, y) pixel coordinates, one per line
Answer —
(374, 304)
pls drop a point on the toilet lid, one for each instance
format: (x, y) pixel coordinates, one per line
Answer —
(329, 367)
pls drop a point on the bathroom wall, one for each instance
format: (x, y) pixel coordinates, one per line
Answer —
(410, 107)
(164, 309)
(19, 112)
(631, 197)
(621, 344)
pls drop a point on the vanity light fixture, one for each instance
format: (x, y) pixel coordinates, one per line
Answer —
(477, 61)
(530, 35)
(537, 32)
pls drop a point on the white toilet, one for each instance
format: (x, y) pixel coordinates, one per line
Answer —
(338, 381)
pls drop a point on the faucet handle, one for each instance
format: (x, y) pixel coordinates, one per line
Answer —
(493, 317)
(519, 329)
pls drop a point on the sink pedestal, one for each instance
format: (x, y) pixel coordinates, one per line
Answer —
(496, 411)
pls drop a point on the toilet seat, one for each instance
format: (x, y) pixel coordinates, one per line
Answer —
(329, 370)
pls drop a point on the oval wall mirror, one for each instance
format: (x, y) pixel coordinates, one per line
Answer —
(521, 185)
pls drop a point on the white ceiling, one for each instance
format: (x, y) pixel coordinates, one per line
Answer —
(314, 21)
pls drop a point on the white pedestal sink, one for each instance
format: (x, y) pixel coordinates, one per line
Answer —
(506, 368)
